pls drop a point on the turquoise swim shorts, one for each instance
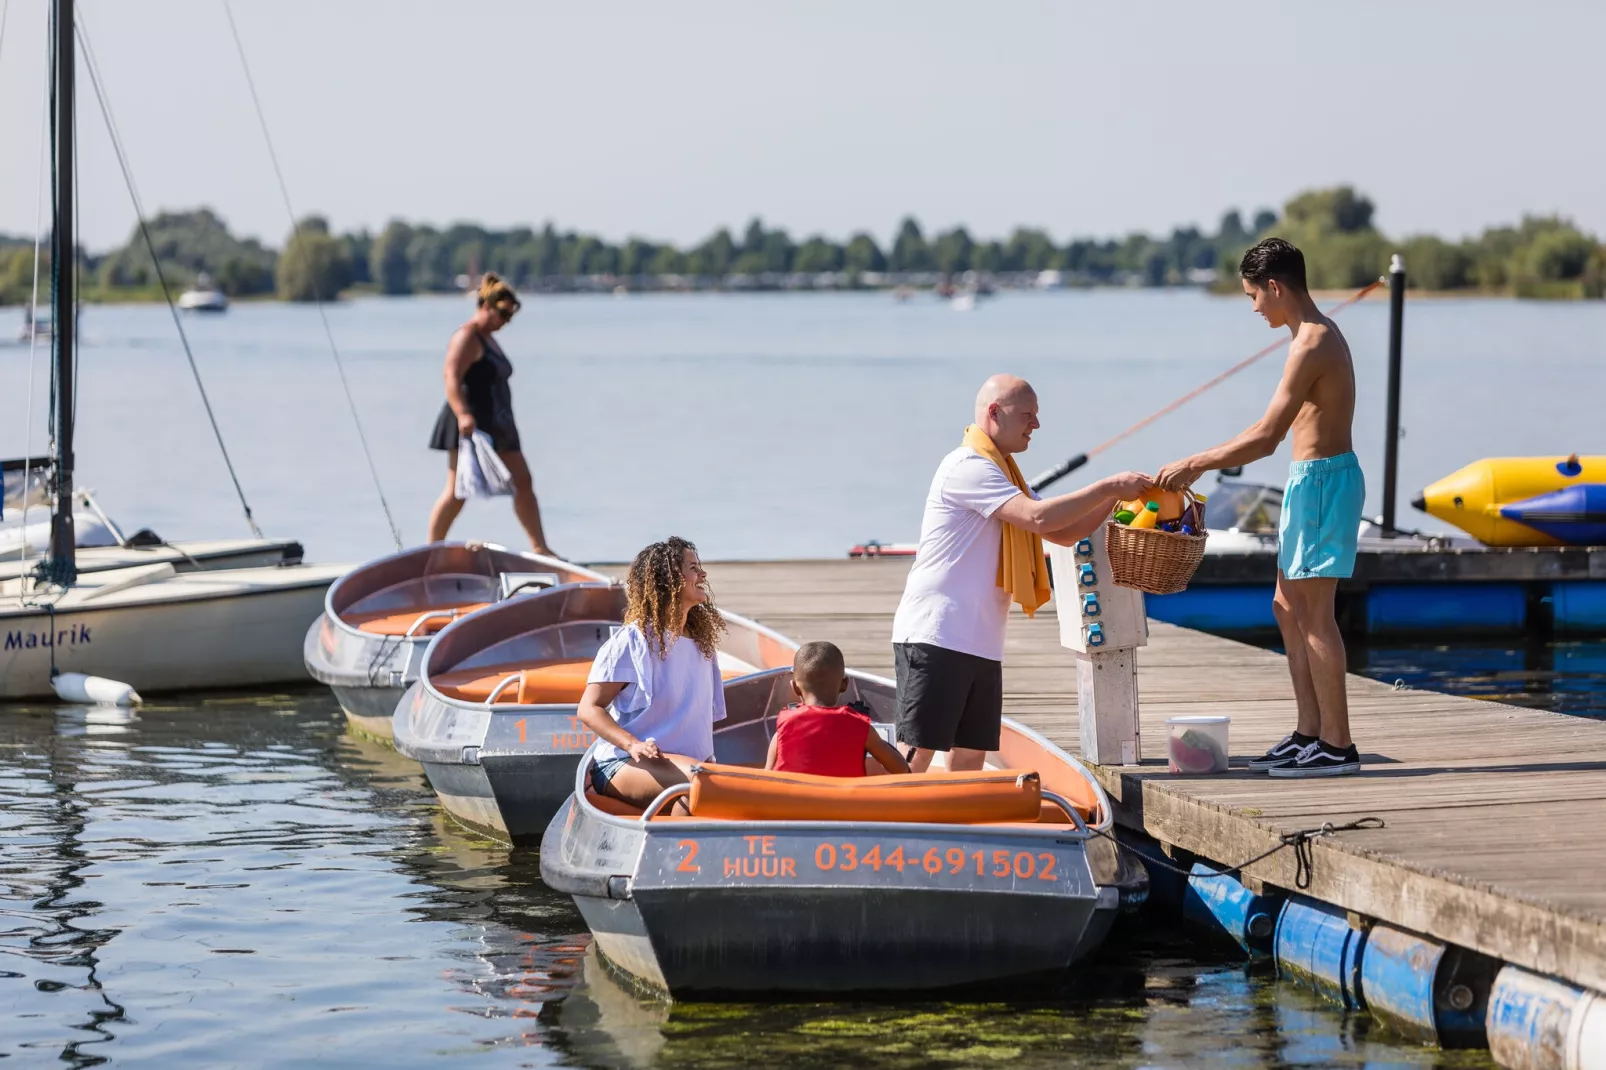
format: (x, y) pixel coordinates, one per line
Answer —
(1321, 518)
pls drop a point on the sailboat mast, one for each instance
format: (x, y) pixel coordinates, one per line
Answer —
(63, 262)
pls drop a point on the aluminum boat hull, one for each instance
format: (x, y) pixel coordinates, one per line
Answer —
(692, 906)
(504, 769)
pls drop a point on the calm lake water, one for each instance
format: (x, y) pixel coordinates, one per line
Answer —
(232, 881)
(760, 426)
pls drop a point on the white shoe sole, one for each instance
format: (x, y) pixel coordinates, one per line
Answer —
(1326, 770)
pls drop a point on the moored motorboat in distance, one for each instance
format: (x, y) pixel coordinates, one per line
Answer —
(493, 716)
(379, 617)
(780, 882)
(203, 296)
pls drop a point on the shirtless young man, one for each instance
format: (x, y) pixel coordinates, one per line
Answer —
(1321, 513)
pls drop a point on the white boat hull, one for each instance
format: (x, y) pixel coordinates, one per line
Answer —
(224, 628)
(203, 301)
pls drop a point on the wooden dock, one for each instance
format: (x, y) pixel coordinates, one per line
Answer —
(1496, 815)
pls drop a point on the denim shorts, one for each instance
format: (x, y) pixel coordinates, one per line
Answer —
(603, 770)
(1321, 518)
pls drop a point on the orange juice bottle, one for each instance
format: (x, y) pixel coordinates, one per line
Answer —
(1148, 517)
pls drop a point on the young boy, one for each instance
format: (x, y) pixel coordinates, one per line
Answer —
(820, 736)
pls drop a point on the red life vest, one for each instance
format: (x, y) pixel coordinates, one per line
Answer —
(826, 741)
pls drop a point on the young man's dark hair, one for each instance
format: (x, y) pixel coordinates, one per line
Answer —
(1274, 258)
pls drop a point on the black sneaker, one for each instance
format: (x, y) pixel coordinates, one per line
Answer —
(1321, 759)
(1284, 752)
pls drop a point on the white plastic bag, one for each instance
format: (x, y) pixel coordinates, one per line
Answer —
(480, 472)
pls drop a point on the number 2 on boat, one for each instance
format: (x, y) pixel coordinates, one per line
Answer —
(689, 863)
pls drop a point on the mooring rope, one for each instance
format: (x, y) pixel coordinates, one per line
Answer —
(1065, 468)
(1224, 376)
(139, 214)
(323, 314)
(1299, 839)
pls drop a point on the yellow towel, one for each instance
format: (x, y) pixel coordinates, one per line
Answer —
(1021, 568)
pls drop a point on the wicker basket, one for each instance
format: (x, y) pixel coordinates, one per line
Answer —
(1151, 560)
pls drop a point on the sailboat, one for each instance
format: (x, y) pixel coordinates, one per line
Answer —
(149, 625)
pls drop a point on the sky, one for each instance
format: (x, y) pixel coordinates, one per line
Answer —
(825, 116)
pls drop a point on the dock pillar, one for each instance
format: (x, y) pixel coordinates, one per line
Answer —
(1104, 624)
(1391, 442)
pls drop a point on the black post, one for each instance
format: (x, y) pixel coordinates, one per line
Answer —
(63, 261)
(1391, 444)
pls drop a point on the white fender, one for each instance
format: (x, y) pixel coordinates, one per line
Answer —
(96, 690)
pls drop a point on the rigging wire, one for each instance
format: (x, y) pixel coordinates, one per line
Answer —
(33, 312)
(139, 212)
(323, 314)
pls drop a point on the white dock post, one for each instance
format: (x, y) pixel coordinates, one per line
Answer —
(1104, 624)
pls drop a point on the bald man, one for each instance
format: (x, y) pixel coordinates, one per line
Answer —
(948, 635)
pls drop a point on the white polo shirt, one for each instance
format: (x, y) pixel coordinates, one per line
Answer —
(952, 599)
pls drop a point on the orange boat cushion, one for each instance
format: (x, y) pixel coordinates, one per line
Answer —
(550, 683)
(736, 793)
(398, 623)
(1018, 751)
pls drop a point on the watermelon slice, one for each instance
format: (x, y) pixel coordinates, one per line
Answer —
(1196, 752)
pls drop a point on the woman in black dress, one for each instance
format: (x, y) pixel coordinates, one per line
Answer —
(478, 396)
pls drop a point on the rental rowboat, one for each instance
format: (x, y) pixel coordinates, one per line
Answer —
(492, 716)
(378, 618)
(781, 882)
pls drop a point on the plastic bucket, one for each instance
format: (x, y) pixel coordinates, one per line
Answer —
(1198, 744)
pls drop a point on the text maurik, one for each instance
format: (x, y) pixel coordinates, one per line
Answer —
(20, 640)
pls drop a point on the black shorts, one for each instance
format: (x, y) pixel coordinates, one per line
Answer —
(947, 699)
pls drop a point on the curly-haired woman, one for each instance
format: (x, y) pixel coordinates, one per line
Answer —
(655, 690)
(478, 398)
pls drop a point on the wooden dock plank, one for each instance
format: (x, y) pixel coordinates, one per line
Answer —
(1496, 815)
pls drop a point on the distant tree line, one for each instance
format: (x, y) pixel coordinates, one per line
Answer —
(1543, 256)
(1540, 257)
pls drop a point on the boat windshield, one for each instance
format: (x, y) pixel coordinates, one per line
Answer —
(1248, 507)
(16, 494)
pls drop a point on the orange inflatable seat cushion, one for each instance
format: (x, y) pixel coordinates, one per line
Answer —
(551, 682)
(398, 623)
(737, 793)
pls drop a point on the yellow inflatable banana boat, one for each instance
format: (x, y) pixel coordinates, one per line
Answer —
(1524, 501)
